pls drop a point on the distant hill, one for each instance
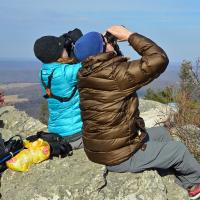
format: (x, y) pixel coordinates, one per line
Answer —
(15, 77)
(19, 71)
(29, 97)
(27, 72)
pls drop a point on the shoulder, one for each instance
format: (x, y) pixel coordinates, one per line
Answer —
(73, 68)
(51, 66)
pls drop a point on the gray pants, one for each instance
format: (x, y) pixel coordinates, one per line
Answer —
(78, 144)
(163, 153)
(75, 140)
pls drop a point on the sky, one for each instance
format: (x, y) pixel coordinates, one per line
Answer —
(172, 24)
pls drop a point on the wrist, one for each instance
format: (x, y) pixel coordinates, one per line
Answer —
(129, 34)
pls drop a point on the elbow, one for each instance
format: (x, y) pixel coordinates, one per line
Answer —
(162, 62)
(165, 60)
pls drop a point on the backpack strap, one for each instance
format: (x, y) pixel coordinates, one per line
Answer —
(49, 94)
(48, 86)
(12, 147)
(64, 99)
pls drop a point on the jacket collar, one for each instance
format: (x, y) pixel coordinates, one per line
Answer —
(100, 61)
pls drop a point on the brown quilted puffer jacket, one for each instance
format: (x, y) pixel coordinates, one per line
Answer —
(112, 128)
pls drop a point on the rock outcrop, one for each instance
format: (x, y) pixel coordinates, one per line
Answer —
(154, 113)
(75, 177)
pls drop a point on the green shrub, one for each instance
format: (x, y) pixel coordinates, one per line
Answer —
(165, 95)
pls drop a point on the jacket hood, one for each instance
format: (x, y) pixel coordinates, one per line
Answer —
(100, 61)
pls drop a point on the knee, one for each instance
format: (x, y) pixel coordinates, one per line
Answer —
(181, 148)
(180, 145)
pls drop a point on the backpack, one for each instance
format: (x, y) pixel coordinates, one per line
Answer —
(58, 145)
(8, 149)
(11, 147)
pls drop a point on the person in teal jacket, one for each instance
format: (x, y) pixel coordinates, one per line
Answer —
(58, 77)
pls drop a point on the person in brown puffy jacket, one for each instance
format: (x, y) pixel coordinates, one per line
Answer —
(114, 134)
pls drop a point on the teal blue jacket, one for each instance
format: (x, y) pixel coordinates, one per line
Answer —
(64, 117)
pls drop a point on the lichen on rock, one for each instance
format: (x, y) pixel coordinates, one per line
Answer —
(75, 177)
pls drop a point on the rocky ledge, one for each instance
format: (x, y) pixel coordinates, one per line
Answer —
(75, 177)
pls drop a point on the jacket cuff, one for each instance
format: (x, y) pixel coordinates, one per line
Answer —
(131, 38)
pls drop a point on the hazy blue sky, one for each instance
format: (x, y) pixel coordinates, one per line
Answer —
(173, 24)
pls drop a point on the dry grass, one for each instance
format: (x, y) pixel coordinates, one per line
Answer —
(188, 110)
(186, 122)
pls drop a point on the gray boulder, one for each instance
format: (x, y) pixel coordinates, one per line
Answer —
(154, 113)
(75, 177)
